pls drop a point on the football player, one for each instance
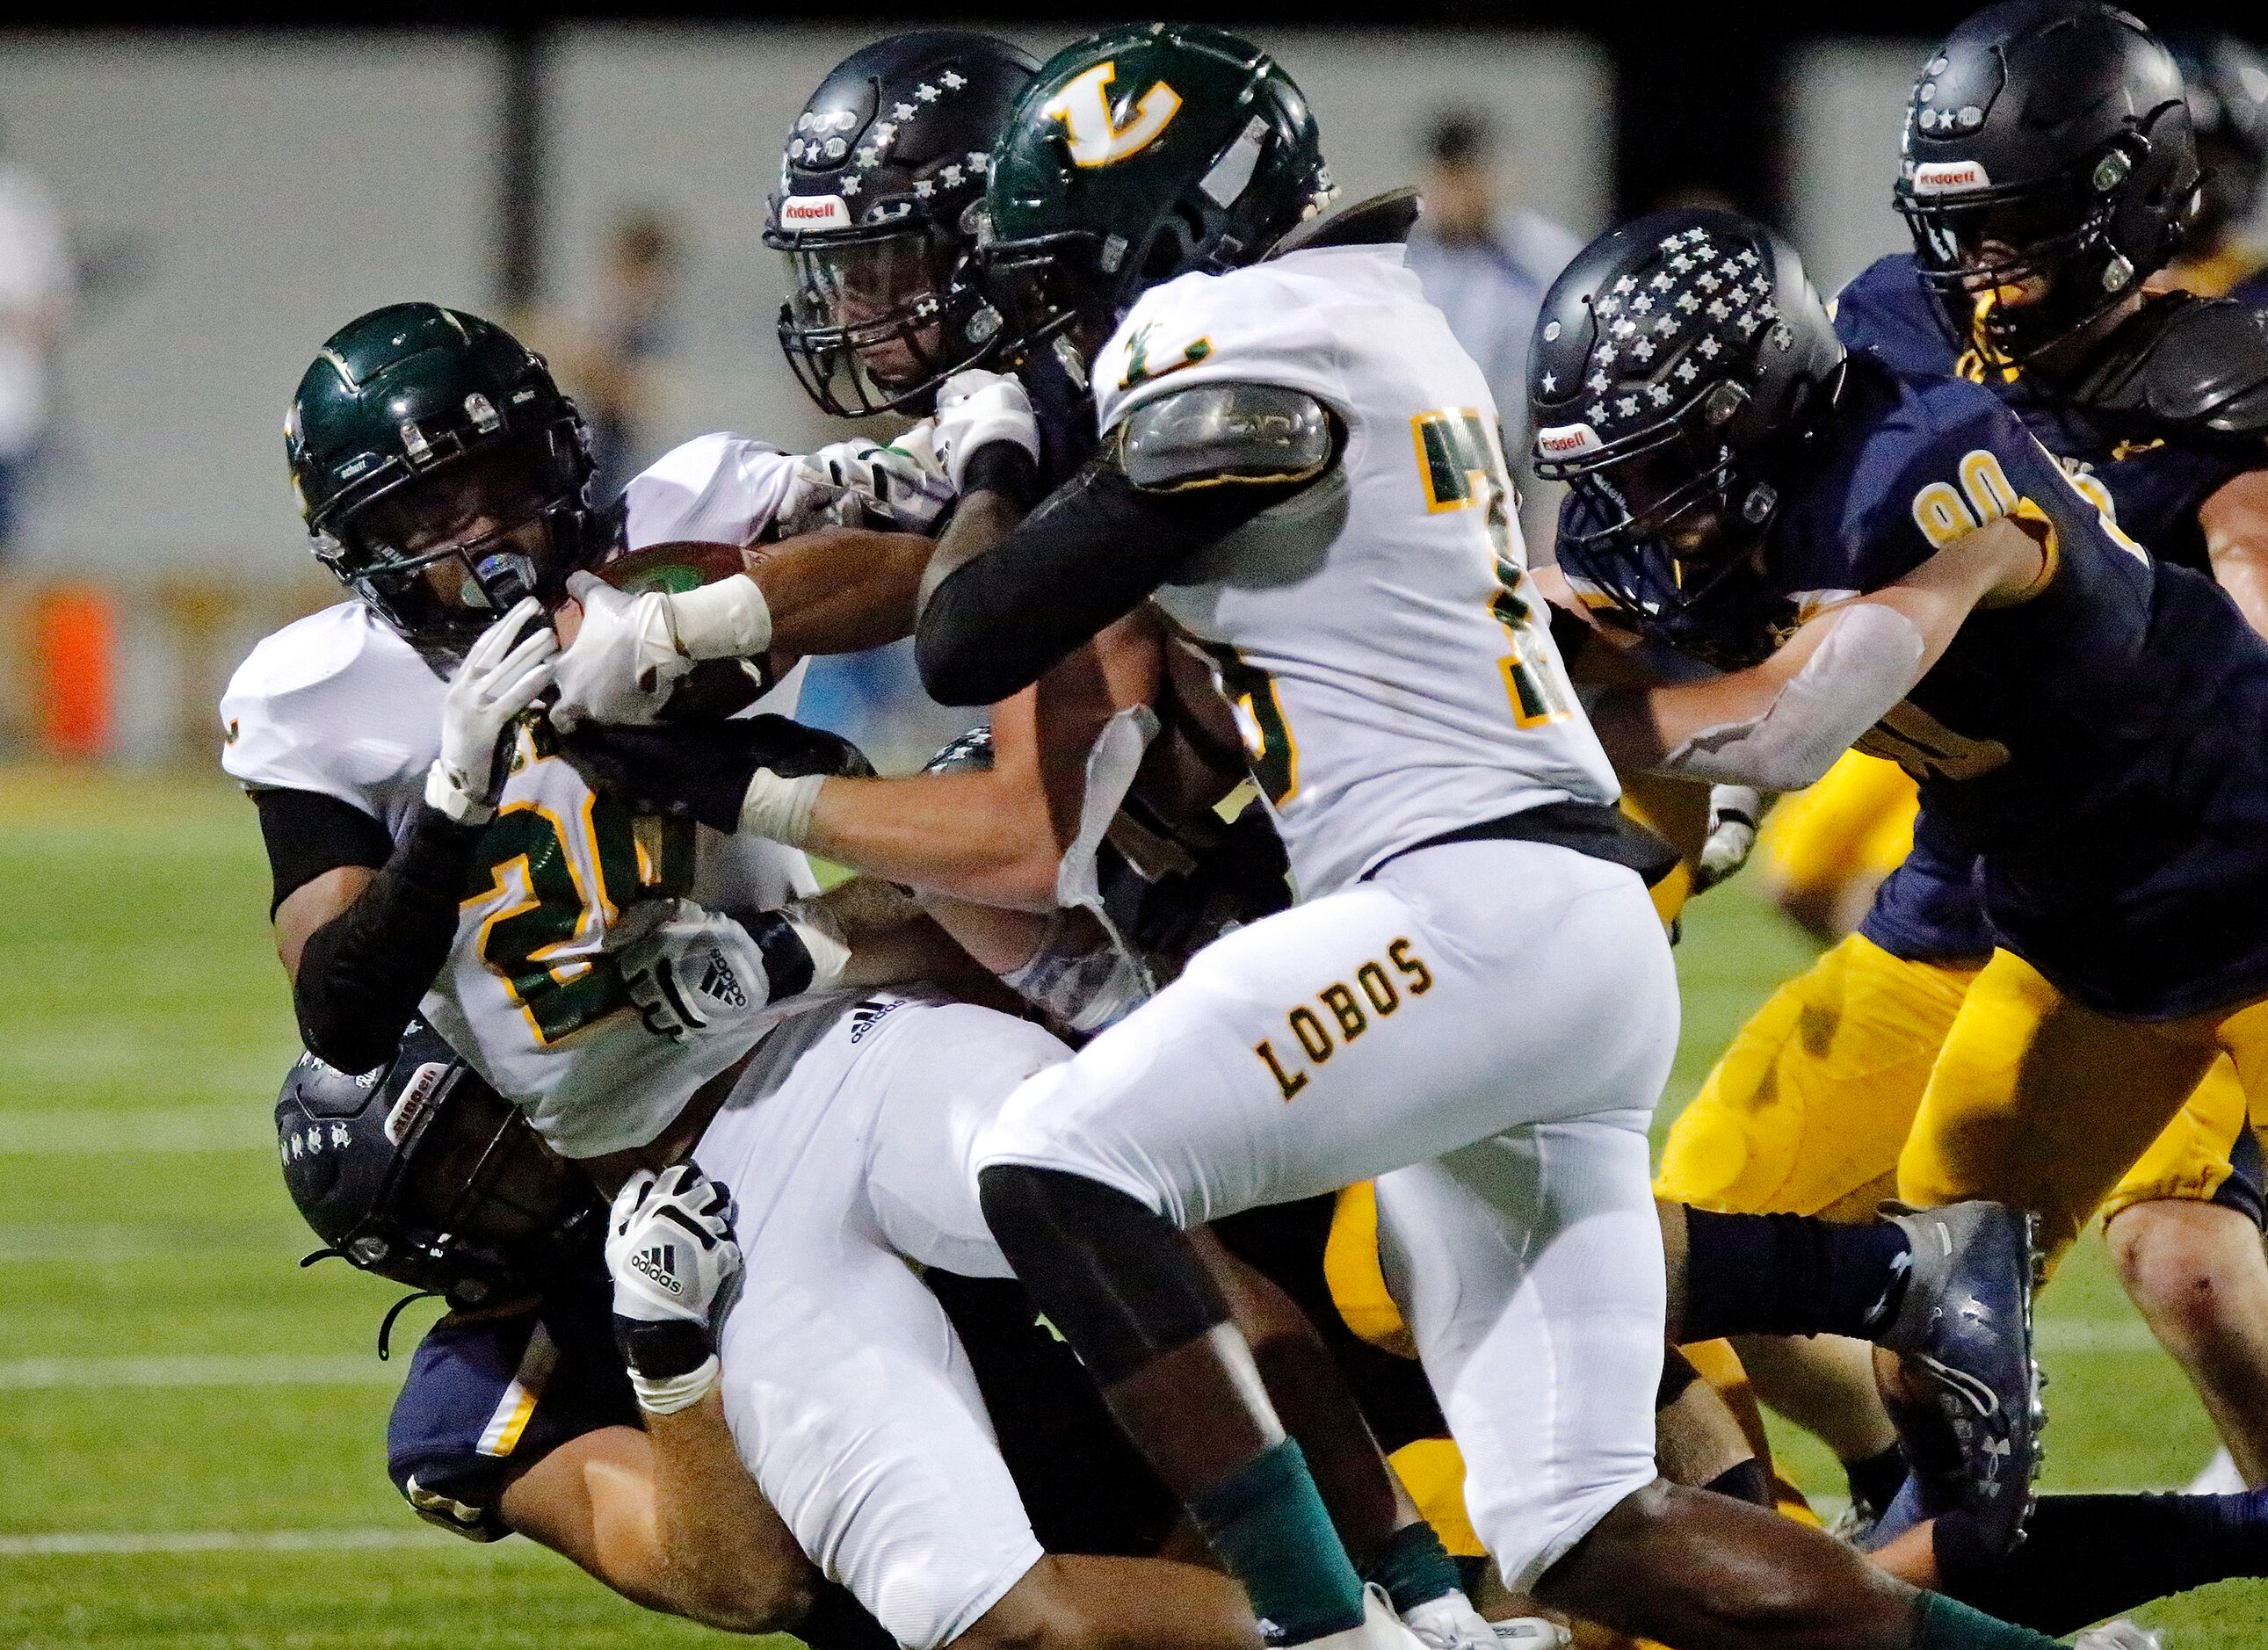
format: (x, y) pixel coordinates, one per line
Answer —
(1868, 555)
(2149, 402)
(1338, 525)
(882, 181)
(632, 1025)
(517, 1415)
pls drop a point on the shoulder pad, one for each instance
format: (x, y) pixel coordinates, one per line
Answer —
(335, 704)
(1209, 434)
(2190, 364)
(1382, 220)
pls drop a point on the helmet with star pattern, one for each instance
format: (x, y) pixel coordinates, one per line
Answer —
(880, 185)
(1680, 363)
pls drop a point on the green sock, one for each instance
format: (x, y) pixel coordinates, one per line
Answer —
(1942, 1624)
(1413, 1566)
(1266, 1521)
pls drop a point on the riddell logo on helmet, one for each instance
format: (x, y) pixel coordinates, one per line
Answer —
(415, 1097)
(815, 211)
(1943, 177)
(1564, 440)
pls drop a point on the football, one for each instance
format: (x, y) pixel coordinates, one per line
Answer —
(716, 688)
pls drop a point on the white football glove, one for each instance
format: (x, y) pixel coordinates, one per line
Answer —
(975, 409)
(630, 650)
(675, 1262)
(890, 481)
(692, 970)
(623, 661)
(1734, 811)
(502, 674)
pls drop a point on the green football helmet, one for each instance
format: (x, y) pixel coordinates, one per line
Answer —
(1138, 154)
(440, 470)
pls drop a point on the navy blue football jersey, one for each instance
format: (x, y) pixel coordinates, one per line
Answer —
(2100, 742)
(2149, 481)
(488, 1396)
(1927, 910)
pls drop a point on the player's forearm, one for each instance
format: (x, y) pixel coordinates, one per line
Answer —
(357, 979)
(979, 836)
(1780, 724)
(886, 937)
(843, 589)
(2235, 521)
(1087, 556)
(725, 1556)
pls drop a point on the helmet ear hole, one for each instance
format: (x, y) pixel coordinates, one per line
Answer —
(1174, 245)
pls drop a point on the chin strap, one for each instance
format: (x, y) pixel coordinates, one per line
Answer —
(386, 1324)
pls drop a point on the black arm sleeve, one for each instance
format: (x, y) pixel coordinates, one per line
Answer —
(308, 833)
(1088, 555)
(362, 974)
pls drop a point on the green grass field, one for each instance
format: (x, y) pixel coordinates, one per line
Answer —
(191, 1428)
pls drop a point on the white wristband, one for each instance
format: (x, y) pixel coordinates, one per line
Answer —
(729, 619)
(823, 940)
(452, 793)
(780, 809)
(667, 1395)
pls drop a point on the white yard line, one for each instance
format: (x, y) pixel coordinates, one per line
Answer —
(84, 1133)
(2095, 1335)
(104, 1543)
(2117, 1336)
(48, 1374)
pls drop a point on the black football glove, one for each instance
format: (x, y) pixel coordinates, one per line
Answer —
(701, 770)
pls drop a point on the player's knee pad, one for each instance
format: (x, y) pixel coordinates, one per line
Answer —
(1117, 1279)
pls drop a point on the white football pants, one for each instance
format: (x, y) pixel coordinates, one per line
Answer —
(847, 1144)
(1483, 1028)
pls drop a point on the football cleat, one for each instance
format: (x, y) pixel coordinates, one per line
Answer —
(1965, 1330)
(1380, 1629)
(2119, 1635)
(1532, 1633)
(1450, 1622)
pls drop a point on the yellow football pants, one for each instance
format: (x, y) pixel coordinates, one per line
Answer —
(1821, 1104)
(1857, 821)
(2040, 1103)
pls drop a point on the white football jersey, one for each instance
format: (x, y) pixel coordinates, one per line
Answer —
(339, 704)
(1389, 661)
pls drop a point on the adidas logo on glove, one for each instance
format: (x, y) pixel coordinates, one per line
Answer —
(717, 981)
(659, 1264)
